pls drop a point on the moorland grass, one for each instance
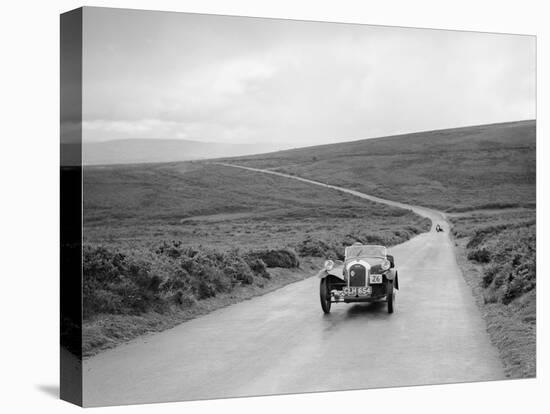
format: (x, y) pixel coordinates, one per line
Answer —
(486, 166)
(497, 253)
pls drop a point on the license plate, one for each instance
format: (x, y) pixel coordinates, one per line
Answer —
(357, 291)
(373, 279)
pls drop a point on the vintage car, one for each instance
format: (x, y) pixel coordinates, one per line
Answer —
(367, 274)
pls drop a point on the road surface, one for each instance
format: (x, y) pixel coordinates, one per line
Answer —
(283, 343)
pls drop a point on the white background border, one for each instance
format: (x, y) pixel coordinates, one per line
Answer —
(29, 235)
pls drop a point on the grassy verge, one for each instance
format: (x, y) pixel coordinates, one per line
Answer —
(496, 252)
(106, 330)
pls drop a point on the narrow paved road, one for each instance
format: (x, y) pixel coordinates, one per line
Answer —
(283, 343)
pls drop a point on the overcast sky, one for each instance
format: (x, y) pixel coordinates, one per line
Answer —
(245, 80)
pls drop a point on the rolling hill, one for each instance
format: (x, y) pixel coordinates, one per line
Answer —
(452, 169)
(130, 151)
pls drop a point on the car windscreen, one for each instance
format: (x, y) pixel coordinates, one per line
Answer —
(365, 251)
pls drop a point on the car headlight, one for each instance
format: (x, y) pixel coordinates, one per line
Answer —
(329, 264)
(386, 264)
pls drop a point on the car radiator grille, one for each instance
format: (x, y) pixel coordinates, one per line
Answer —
(357, 275)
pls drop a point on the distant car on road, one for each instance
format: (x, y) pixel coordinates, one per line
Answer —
(367, 274)
(438, 228)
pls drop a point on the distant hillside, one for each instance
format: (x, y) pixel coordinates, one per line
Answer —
(131, 151)
(453, 169)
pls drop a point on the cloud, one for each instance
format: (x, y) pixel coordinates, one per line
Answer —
(227, 79)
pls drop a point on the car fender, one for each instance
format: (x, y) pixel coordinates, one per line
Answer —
(336, 271)
(392, 275)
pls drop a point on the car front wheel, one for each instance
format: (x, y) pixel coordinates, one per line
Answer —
(390, 295)
(325, 295)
